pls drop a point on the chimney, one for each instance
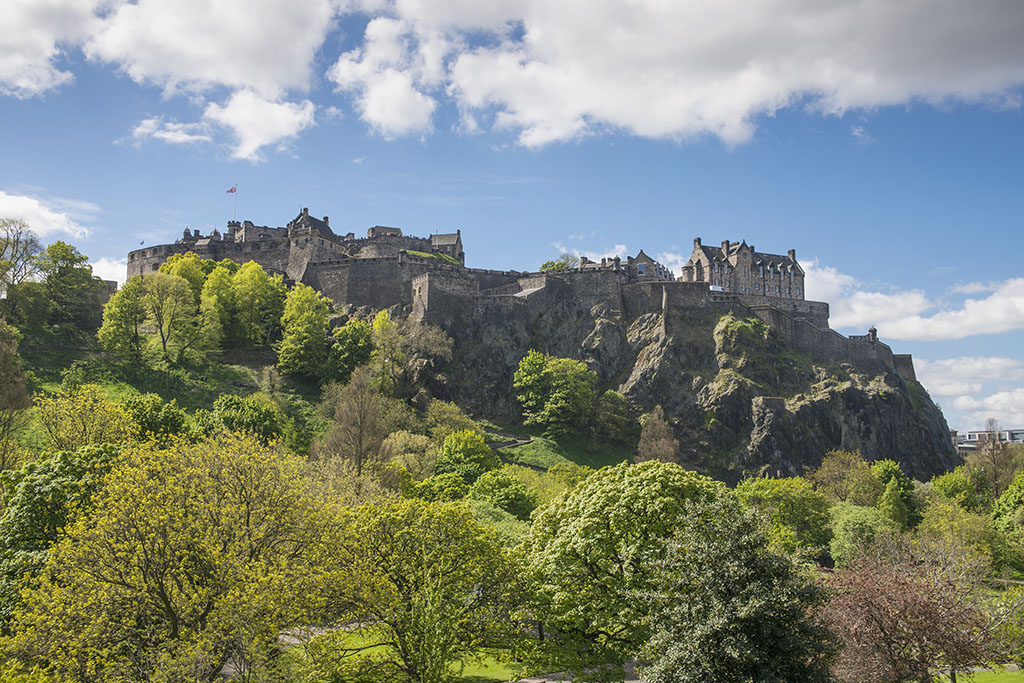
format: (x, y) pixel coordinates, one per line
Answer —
(792, 255)
(725, 247)
(696, 242)
(305, 211)
(327, 221)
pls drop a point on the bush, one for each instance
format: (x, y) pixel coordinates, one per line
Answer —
(466, 454)
(502, 489)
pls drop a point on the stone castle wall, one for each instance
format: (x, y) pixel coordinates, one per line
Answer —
(273, 255)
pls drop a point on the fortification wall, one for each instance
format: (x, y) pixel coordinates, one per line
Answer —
(375, 282)
(271, 254)
(904, 363)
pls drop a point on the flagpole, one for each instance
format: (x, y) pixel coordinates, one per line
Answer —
(234, 214)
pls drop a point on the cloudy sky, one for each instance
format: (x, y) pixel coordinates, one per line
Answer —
(882, 139)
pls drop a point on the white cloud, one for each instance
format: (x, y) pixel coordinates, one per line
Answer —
(263, 45)
(967, 375)
(619, 250)
(673, 261)
(32, 42)
(1005, 406)
(973, 288)
(862, 136)
(1001, 311)
(47, 216)
(110, 269)
(170, 131)
(258, 122)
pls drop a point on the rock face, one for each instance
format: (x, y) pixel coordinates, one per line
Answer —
(742, 400)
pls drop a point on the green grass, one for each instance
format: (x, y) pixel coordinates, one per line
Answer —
(988, 677)
(444, 258)
(545, 451)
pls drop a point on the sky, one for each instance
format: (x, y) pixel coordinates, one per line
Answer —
(881, 139)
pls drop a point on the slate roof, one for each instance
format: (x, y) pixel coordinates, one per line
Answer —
(760, 258)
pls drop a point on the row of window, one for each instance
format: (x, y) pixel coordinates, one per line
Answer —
(724, 269)
(789, 291)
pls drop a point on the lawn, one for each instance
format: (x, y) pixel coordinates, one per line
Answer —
(988, 677)
(545, 451)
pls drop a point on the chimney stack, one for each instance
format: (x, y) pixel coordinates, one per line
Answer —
(696, 242)
(327, 221)
(725, 247)
(792, 255)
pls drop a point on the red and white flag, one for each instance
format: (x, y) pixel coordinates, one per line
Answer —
(234, 188)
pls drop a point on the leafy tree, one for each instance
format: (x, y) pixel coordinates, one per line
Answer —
(257, 414)
(414, 452)
(19, 248)
(351, 347)
(400, 347)
(466, 454)
(123, 318)
(613, 420)
(359, 424)
(657, 440)
(958, 487)
(843, 476)
(907, 615)
(444, 418)
(40, 499)
(172, 312)
(853, 527)
(798, 515)
(563, 262)
(995, 464)
(502, 489)
(441, 488)
(156, 418)
(217, 306)
(430, 587)
(190, 556)
(190, 268)
(70, 287)
(946, 524)
(259, 303)
(889, 470)
(555, 393)
(892, 507)
(724, 608)
(303, 347)
(14, 397)
(590, 555)
(84, 416)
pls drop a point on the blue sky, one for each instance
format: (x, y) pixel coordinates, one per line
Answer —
(883, 141)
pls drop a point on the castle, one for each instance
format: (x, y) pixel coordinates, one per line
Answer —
(428, 276)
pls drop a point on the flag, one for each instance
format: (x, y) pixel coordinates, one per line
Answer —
(234, 188)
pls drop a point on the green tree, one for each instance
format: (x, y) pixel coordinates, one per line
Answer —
(359, 425)
(351, 347)
(441, 488)
(19, 249)
(172, 313)
(14, 397)
(259, 304)
(190, 556)
(892, 507)
(854, 527)
(41, 499)
(156, 418)
(563, 262)
(725, 608)
(444, 418)
(257, 414)
(123, 318)
(590, 554)
(889, 470)
(555, 393)
(502, 489)
(217, 306)
(657, 439)
(613, 420)
(843, 476)
(957, 486)
(70, 287)
(83, 416)
(303, 347)
(190, 268)
(404, 349)
(430, 587)
(797, 514)
(466, 454)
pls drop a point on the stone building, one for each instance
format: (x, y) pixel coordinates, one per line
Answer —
(737, 267)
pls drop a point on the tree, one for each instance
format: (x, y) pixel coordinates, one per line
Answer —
(190, 557)
(259, 304)
(123, 318)
(502, 489)
(351, 347)
(725, 608)
(19, 248)
(798, 515)
(172, 312)
(466, 454)
(190, 268)
(854, 527)
(657, 440)
(429, 586)
(217, 306)
(40, 500)
(414, 452)
(904, 613)
(256, 414)
(400, 348)
(563, 262)
(590, 554)
(84, 416)
(887, 471)
(359, 425)
(14, 397)
(957, 486)
(303, 347)
(843, 476)
(70, 287)
(555, 393)
(995, 463)
(892, 507)
(444, 418)
(613, 420)
(155, 418)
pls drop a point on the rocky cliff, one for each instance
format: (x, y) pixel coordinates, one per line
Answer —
(740, 399)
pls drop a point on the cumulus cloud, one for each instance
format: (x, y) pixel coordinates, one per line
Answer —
(258, 122)
(619, 250)
(263, 45)
(48, 216)
(1000, 311)
(673, 261)
(110, 269)
(34, 37)
(967, 375)
(171, 132)
(1005, 406)
(973, 287)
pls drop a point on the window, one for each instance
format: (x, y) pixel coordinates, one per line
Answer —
(727, 283)
(641, 269)
(798, 291)
(757, 288)
(778, 289)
